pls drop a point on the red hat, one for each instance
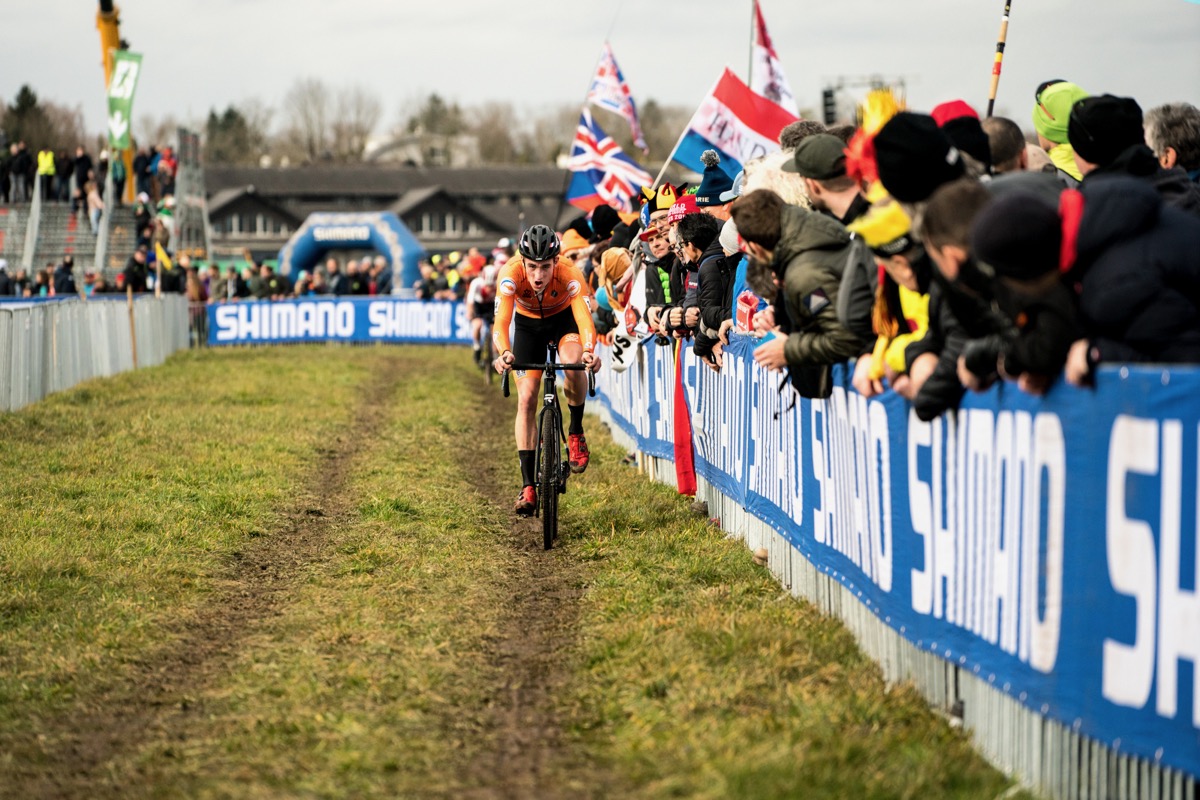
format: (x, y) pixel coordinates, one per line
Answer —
(952, 109)
(683, 206)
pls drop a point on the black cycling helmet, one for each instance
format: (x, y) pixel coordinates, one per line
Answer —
(539, 243)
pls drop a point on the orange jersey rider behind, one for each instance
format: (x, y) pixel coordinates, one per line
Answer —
(552, 304)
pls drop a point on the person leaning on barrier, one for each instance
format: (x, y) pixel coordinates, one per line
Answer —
(806, 252)
(135, 273)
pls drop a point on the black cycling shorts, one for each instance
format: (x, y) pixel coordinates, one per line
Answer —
(485, 311)
(533, 334)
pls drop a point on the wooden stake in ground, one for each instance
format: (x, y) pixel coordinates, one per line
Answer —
(999, 56)
(132, 325)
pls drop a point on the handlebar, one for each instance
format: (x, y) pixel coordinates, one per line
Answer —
(549, 366)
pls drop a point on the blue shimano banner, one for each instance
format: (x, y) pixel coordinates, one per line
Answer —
(1048, 545)
(338, 319)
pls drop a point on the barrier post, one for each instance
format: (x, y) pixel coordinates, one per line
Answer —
(132, 324)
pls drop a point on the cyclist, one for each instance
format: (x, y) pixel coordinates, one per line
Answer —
(481, 305)
(552, 303)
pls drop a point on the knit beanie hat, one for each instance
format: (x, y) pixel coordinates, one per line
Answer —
(914, 157)
(729, 237)
(960, 122)
(715, 181)
(1053, 109)
(1103, 127)
(1019, 236)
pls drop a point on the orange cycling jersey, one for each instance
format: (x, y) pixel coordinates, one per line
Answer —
(567, 288)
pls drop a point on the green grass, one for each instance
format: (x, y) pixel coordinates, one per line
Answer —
(692, 674)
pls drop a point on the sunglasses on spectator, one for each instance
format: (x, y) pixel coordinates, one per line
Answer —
(1037, 95)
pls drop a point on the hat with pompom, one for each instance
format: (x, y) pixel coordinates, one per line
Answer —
(715, 181)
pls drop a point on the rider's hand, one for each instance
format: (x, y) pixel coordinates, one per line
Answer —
(591, 361)
(503, 362)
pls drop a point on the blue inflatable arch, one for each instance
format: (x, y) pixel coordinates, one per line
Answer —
(382, 232)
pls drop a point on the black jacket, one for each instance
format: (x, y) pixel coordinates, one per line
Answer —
(1172, 185)
(64, 280)
(713, 296)
(1138, 268)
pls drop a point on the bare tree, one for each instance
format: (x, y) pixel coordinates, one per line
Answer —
(308, 114)
(158, 131)
(496, 127)
(358, 114)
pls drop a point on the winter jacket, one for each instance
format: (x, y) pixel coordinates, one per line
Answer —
(1138, 268)
(713, 296)
(1139, 162)
(810, 258)
(64, 280)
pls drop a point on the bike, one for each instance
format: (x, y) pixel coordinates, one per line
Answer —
(488, 351)
(552, 469)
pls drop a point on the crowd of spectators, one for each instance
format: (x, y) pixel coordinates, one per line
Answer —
(80, 180)
(937, 253)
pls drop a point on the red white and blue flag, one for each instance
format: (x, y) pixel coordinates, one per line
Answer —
(736, 122)
(610, 92)
(603, 174)
(766, 73)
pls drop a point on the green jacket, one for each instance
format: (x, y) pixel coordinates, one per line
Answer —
(811, 255)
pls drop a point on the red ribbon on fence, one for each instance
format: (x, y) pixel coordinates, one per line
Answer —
(685, 462)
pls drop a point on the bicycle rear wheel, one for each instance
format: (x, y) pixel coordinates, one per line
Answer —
(551, 454)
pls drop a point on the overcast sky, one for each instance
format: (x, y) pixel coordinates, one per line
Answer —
(204, 54)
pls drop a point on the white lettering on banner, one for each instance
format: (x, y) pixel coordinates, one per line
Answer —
(718, 413)
(1167, 617)
(775, 467)
(664, 387)
(357, 233)
(979, 518)
(269, 321)
(851, 460)
(411, 320)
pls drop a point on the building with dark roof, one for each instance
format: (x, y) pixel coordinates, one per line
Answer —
(259, 208)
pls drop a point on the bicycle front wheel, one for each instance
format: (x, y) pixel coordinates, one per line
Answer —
(550, 457)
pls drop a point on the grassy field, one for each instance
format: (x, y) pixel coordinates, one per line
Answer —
(295, 572)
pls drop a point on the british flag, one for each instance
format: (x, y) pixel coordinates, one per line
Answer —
(610, 91)
(603, 174)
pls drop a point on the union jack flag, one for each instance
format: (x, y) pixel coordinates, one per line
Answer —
(610, 91)
(603, 174)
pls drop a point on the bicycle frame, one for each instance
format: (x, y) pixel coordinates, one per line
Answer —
(550, 485)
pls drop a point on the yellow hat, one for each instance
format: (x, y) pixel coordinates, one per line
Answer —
(572, 240)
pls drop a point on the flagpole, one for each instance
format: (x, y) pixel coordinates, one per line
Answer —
(999, 56)
(667, 163)
(753, 31)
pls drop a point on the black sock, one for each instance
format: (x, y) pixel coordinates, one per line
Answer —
(576, 425)
(528, 466)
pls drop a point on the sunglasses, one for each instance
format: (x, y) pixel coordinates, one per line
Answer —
(1037, 95)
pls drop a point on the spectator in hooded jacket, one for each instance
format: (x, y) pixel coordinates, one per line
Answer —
(1137, 262)
(806, 252)
(1107, 134)
(64, 276)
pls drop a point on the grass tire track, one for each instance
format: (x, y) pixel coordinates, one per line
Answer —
(154, 697)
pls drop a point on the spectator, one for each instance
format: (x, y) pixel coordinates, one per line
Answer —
(46, 171)
(19, 168)
(1053, 101)
(118, 171)
(357, 277)
(1173, 133)
(1020, 237)
(141, 173)
(7, 286)
(901, 310)
(805, 251)
(43, 285)
(64, 167)
(1138, 268)
(1007, 145)
(960, 122)
(84, 168)
(820, 161)
(21, 284)
(383, 276)
(194, 288)
(64, 276)
(135, 273)
(338, 284)
(95, 206)
(274, 286)
(791, 136)
(143, 212)
(1107, 134)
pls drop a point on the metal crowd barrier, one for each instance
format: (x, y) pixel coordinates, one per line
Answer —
(50, 346)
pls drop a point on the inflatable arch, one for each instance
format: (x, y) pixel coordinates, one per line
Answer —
(382, 232)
